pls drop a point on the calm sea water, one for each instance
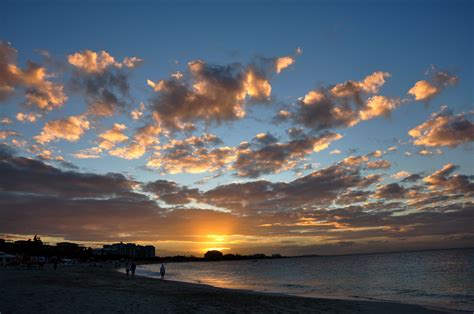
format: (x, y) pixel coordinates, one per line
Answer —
(434, 278)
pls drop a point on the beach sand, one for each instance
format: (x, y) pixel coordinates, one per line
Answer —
(85, 289)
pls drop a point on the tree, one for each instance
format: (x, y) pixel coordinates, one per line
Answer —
(213, 255)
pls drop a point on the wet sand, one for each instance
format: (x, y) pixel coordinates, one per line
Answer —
(84, 289)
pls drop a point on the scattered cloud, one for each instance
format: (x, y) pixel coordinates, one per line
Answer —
(444, 129)
(345, 104)
(265, 155)
(425, 90)
(102, 80)
(70, 129)
(38, 90)
(27, 117)
(109, 138)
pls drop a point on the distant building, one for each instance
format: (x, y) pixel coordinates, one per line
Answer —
(69, 248)
(129, 250)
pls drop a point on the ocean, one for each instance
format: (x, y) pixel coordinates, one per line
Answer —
(442, 278)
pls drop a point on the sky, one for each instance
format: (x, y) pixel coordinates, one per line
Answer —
(291, 127)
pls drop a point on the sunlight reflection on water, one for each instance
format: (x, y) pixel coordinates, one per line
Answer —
(436, 278)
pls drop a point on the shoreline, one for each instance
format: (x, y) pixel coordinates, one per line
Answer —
(317, 297)
(80, 289)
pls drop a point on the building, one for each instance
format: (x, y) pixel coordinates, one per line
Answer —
(129, 250)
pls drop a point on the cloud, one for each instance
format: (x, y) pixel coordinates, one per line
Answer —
(335, 152)
(328, 207)
(89, 153)
(344, 105)
(115, 135)
(102, 80)
(401, 175)
(143, 138)
(320, 187)
(137, 113)
(426, 152)
(6, 134)
(390, 191)
(195, 154)
(27, 117)
(170, 192)
(70, 129)
(97, 62)
(20, 174)
(266, 155)
(352, 89)
(378, 106)
(210, 93)
(283, 62)
(444, 129)
(5, 120)
(447, 182)
(131, 151)
(32, 80)
(412, 178)
(355, 160)
(424, 90)
(379, 164)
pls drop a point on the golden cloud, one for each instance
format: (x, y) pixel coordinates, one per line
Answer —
(283, 62)
(70, 129)
(38, 90)
(444, 129)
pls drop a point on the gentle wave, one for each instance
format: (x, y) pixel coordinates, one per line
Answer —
(440, 279)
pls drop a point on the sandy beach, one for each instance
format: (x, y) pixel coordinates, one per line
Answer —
(84, 289)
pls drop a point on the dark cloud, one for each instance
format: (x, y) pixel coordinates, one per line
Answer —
(24, 175)
(170, 192)
(390, 191)
(92, 207)
(265, 155)
(412, 178)
(102, 81)
(321, 187)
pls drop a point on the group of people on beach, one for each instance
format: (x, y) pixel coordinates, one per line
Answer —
(131, 267)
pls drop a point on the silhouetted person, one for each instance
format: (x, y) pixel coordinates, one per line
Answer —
(132, 268)
(55, 263)
(162, 271)
(127, 268)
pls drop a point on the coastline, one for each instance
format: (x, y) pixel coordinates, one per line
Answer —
(80, 289)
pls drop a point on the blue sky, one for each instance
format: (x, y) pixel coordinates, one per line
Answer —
(340, 41)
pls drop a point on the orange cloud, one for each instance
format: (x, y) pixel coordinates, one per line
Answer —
(283, 62)
(38, 90)
(27, 117)
(424, 90)
(444, 129)
(113, 136)
(70, 129)
(378, 106)
(371, 84)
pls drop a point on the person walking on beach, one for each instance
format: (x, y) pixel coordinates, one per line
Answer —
(162, 271)
(127, 268)
(132, 268)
